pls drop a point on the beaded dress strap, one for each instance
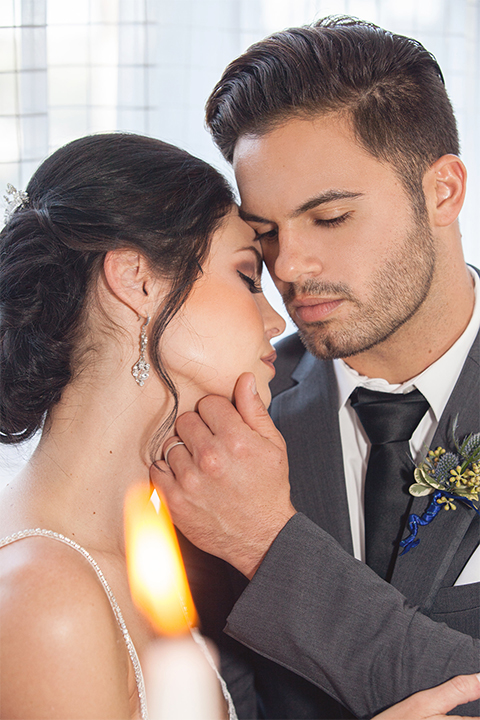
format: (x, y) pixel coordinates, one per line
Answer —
(116, 610)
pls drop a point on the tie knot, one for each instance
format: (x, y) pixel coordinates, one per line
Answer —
(386, 417)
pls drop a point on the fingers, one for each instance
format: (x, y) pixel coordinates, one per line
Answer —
(195, 431)
(217, 416)
(169, 448)
(163, 478)
(434, 703)
(221, 417)
(227, 487)
(252, 410)
(204, 450)
(175, 457)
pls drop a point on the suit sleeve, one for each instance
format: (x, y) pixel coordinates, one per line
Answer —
(317, 611)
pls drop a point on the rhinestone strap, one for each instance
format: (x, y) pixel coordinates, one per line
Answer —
(232, 713)
(116, 610)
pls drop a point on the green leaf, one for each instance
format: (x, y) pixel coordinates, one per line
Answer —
(454, 432)
(464, 492)
(421, 476)
(434, 484)
(418, 490)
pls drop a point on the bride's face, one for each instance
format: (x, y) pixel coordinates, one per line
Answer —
(225, 326)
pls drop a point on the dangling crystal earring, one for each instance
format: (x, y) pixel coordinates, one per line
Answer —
(140, 370)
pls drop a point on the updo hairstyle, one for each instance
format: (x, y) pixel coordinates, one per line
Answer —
(96, 194)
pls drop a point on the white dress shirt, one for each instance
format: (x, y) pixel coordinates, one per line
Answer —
(436, 384)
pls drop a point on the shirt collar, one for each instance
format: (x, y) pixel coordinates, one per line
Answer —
(436, 382)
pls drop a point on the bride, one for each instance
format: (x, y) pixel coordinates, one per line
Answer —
(129, 289)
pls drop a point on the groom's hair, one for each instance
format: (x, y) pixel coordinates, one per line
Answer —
(389, 87)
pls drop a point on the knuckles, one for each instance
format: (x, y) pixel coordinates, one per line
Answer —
(211, 462)
(190, 480)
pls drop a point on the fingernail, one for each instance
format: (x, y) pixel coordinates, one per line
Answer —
(253, 385)
(477, 675)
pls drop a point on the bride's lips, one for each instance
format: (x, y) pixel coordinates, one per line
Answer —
(315, 309)
(269, 360)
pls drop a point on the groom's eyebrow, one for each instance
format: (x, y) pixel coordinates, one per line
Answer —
(322, 199)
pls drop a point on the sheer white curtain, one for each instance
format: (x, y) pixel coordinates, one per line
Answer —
(147, 66)
(67, 69)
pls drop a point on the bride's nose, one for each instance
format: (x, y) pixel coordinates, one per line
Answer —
(273, 322)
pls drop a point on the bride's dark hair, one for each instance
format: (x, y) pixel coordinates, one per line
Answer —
(96, 194)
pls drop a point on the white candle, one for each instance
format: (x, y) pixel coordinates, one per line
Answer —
(179, 681)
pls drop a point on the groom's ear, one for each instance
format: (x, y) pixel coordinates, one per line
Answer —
(130, 279)
(445, 186)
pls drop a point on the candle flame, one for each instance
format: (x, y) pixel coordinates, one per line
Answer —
(157, 576)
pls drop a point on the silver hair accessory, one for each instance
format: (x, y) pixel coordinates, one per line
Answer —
(165, 457)
(14, 199)
(140, 370)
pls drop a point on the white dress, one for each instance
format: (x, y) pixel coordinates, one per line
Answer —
(119, 617)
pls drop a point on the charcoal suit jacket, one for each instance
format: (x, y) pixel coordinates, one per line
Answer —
(316, 633)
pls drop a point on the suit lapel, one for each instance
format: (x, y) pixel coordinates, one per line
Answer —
(441, 541)
(307, 417)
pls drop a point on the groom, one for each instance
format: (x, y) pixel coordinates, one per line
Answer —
(345, 150)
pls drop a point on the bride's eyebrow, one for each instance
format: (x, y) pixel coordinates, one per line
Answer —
(249, 217)
(258, 256)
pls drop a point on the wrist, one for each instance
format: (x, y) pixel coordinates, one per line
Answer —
(248, 559)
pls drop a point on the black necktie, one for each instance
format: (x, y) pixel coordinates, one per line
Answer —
(389, 421)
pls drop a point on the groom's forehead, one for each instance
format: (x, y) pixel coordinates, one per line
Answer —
(297, 144)
(302, 164)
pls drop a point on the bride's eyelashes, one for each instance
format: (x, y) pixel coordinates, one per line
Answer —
(253, 284)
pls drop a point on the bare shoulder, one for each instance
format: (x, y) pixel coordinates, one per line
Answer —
(59, 640)
(41, 577)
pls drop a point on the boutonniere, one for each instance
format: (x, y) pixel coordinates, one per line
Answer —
(452, 477)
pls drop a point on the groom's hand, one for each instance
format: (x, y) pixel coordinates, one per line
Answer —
(227, 488)
(433, 704)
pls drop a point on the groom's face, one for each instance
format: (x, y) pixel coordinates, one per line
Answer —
(339, 234)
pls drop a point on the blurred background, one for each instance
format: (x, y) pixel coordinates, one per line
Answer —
(68, 69)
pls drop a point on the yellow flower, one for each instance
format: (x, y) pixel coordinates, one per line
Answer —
(449, 504)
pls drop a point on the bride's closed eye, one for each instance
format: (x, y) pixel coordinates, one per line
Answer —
(253, 284)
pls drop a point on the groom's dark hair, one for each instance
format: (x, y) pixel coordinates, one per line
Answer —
(389, 87)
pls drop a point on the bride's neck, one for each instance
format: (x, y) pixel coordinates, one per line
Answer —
(96, 446)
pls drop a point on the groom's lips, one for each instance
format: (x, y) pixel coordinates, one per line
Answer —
(314, 309)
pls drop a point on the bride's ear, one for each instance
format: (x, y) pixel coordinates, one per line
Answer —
(129, 278)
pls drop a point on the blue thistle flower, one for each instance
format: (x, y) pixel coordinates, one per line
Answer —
(447, 462)
(471, 446)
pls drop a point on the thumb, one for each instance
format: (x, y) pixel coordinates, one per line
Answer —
(434, 703)
(254, 413)
(457, 691)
